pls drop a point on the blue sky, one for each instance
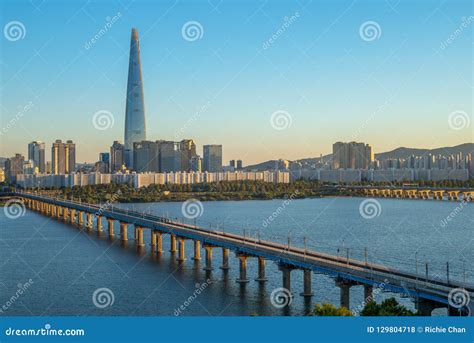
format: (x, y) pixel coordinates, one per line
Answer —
(396, 90)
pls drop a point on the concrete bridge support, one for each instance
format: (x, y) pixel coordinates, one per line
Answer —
(426, 306)
(110, 226)
(58, 212)
(225, 259)
(90, 223)
(307, 292)
(139, 232)
(65, 214)
(182, 255)
(368, 293)
(72, 216)
(99, 224)
(208, 250)
(123, 231)
(159, 242)
(345, 286)
(286, 275)
(153, 240)
(173, 243)
(261, 270)
(242, 269)
(80, 218)
(197, 250)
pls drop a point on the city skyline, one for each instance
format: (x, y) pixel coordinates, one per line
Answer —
(396, 80)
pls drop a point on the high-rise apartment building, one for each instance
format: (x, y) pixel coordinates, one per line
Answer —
(13, 167)
(117, 156)
(146, 156)
(352, 155)
(212, 158)
(63, 157)
(187, 149)
(36, 154)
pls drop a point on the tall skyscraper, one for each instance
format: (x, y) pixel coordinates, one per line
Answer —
(36, 154)
(135, 124)
(13, 167)
(63, 157)
(352, 155)
(146, 156)
(212, 158)
(117, 156)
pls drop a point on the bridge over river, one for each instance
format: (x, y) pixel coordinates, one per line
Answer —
(429, 292)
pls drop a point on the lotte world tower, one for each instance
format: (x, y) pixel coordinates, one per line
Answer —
(135, 124)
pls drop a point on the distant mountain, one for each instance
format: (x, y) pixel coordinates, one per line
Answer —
(402, 152)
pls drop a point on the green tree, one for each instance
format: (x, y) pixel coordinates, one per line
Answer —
(331, 310)
(388, 307)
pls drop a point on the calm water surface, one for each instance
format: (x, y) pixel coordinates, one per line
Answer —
(67, 266)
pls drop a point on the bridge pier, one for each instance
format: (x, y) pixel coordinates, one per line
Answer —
(208, 250)
(225, 259)
(123, 232)
(139, 232)
(72, 217)
(426, 306)
(182, 255)
(65, 214)
(307, 274)
(80, 219)
(261, 270)
(242, 269)
(153, 240)
(90, 224)
(58, 212)
(99, 224)
(345, 286)
(173, 243)
(159, 242)
(197, 250)
(286, 275)
(110, 226)
(368, 293)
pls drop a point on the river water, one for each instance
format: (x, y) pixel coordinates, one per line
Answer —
(52, 268)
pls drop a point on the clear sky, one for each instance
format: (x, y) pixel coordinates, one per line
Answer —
(333, 80)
